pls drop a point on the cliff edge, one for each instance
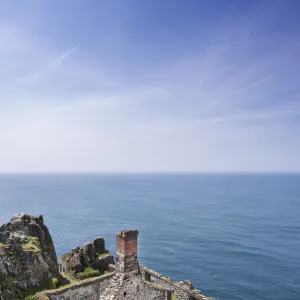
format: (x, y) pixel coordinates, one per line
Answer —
(27, 256)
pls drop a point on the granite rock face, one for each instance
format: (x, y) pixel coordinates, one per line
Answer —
(27, 256)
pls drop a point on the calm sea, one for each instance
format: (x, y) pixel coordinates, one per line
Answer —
(235, 236)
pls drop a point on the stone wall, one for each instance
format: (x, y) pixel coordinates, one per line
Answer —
(148, 285)
(130, 289)
(134, 288)
(183, 290)
(86, 290)
(150, 291)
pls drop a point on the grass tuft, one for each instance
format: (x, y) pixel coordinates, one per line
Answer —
(106, 252)
(87, 273)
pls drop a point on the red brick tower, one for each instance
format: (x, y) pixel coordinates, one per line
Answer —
(126, 251)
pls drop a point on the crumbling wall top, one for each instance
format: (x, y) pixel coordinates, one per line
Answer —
(128, 233)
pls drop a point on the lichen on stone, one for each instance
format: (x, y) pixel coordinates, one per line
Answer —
(32, 245)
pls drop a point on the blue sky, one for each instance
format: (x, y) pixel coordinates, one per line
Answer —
(149, 86)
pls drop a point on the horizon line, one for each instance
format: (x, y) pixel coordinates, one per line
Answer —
(276, 172)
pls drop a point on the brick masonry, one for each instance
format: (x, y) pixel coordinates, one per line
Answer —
(126, 251)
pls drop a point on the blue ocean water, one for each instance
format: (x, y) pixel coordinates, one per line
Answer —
(235, 236)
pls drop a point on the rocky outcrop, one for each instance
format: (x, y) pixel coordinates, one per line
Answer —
(27, 256)
(81, 261)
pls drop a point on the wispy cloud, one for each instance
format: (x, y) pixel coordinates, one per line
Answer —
(262, 80)
(49, 66)
(125, 101)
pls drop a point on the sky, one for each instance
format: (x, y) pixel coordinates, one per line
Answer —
(149, 86)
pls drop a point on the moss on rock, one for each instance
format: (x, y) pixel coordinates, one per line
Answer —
(87, 273)
(7, 281)
(47, 284)
(32, 245)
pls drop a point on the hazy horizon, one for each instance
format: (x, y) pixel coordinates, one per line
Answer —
(149, 86)
(157, 173)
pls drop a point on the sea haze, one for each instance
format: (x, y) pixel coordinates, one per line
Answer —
(235, 236)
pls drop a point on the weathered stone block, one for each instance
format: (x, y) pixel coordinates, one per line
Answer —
(99, 245)
(89, 252)
(111, 268)
(73, 262)
(101, 263)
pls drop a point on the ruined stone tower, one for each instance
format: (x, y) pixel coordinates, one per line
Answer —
(126, 251)
(127, 280)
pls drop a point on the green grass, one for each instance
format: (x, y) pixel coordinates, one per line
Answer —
(103, 254)
(87, 273)
(90, 271)
(62, 281)
(32, 245)
(47, 284)
(173, 296)
(70, 277)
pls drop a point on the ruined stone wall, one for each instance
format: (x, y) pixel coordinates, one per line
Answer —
(134, 288)
(183, 290)
(87, 290)
(150, 291)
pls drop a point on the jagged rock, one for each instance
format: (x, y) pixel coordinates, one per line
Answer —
(27, 256)
(90, 255)
(89, 252)
(99, 245)
(101, 263)
(74, 262)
